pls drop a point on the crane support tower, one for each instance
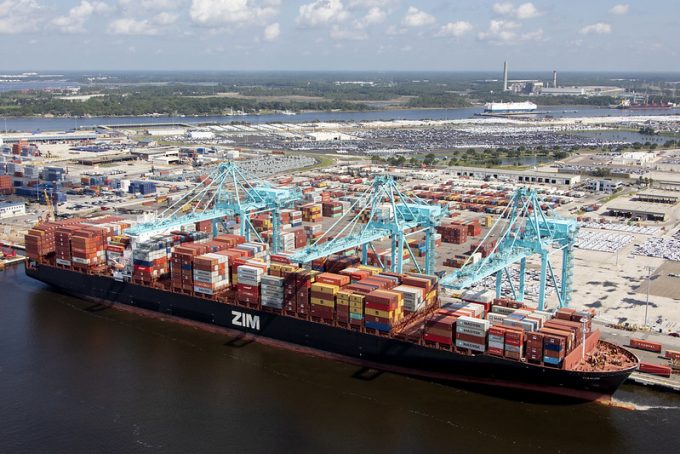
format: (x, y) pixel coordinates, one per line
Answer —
(382, 211)
(524, 229)
(227, 192)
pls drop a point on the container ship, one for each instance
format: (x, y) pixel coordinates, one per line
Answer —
(506, 108)
(335, 306)
(646, 105)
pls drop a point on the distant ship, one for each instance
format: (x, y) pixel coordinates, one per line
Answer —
(627, 104)
(509, 107)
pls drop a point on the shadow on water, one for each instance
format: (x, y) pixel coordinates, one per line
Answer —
(367, 374)
(239, 341)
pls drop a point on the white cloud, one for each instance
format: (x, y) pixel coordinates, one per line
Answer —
(321, 12)
(74, 21)
(456, 29)
(19, 16)
(508, 32)
(220, 12)
(130, 26)
(600, 28)
(165, 18)
(272, 32)
(150, 5)
(374, 16)
(503, 8)
(524, 11)
(417, 18)
(620, 9)
(370, 3)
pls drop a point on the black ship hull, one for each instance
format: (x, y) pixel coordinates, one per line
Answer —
(370, 350)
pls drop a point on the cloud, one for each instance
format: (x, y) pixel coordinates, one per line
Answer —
(272, 32)
(508, 32)
(417, 18)
(19, 16)
(321, 12)
(130, 26)
(370, 3)
(374, 16)
(150, 5)
(503, 8)
(165, 18)
(524, 11)
(74, 21)
(456, 29)
(600, 28)
(220, 12)
(620, 9)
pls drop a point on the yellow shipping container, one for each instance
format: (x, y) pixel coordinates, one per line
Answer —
(357, 305)
(379, 313)
(343, 295)
(356, 298)
(322, 302)
(370, 269)
(325, 288)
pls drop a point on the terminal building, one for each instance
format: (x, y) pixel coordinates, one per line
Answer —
(11, 209)
(651, 205)
(518, 176)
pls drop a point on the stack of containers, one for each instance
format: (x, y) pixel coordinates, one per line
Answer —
(311, 212)
(271, 291)
(6, 185)
(287, 241)
(514, 343)
(87, 247)
(453, 233)
(413, 297)
(115, 250)
(342, 304)
(383, 309)
(255, 250)
(322, 300)
(181, 265)
(150, 259)
(355, 274)
(303, 284)
(471, 333)
(356, 309)
(496, 340)
(62, 244)
(534, 352)
(439, 329)
(249, 278)
(211, 273)
(313, 231)
(332, 209)
(39, 240)
(554, 346)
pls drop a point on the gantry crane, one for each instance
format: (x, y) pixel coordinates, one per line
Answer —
(387, 212)
(227, 192)
(523, 230)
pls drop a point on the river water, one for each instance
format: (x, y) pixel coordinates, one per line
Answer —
(75, 378)
(61, 124)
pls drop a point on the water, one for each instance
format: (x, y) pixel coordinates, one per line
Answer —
(77, 379)
(60, 124)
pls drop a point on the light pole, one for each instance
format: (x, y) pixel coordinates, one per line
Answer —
(649, 283)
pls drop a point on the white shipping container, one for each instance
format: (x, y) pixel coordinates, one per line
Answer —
(470, 346)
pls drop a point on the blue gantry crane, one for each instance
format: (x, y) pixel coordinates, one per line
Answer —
(227, 192)
(382, 211)
(524, 229)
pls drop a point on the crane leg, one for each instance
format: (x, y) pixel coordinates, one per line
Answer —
(541, 289)
(499, 283)
(522, 275)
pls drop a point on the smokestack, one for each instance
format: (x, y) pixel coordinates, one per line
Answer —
(505, 76)
(555, 79)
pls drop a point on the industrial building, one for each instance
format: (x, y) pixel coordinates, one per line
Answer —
(166, 154)
(11, 209)
(652, 205)
(606, 185)
(561, 179)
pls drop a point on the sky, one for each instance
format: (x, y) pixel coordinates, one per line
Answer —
(383, 35)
